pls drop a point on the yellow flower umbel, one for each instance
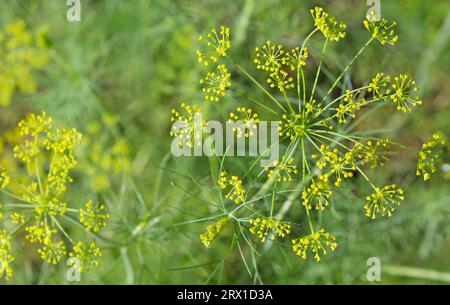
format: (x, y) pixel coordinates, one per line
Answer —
(246, 122)
(215, 45)
(282, 171)
(269, 57)
(379, 86)
(215, 85)
(233, 185)
(349, 106)
(317, 196)
(430, 155)
(381, 30)
(384, 201)
(262, 227)
(316, 242)
(317, 124)
(21, 53)
(403, 93)
(48, 155)
(189, 123)
(331, 28)
(94, 217)
(85, 256)
(340, 165)
(373, 153)
(296, 58)
(213, 231)
(281, 80)
(292, 126)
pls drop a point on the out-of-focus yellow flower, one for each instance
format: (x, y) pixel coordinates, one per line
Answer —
(48, 154)
(21, 53)
(213, 231)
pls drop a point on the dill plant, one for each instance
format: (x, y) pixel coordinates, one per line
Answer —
(34, 202)
(322, 150)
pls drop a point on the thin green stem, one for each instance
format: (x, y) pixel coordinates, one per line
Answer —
(300, 71)
(350, 63)
(339, 98)
(304, 164)
(367, 178)
(257, 84)
(274, 193)
(304, 87)
(288, 101)
(318, 70)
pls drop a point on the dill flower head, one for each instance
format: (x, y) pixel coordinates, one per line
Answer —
(381, 30)
(281, 80)
(189, 121)
(317, 195)
(296, 58)
(404, 93)
(331, 28)
(292, 126)
(269, 227)
(53, 252)
(214, 45)
(379, 86)
(317, 242)
(246, 121)
(86, 255)
(282, 171)
(94, 216)
(21, 53)
(430, 155)
(339, 165)
(213, 231)
(373, 153)
(349, 106)
(384, 201)
(215, 85)
(48, 154)
(269, 57)
(310, 129)
(233, 186)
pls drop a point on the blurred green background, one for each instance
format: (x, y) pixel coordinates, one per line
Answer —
(127, 63)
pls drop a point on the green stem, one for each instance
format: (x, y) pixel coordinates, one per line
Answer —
(318, 70)
(346, 69)
(367, 178)
(339, 98)
(274, 192)
(304, 161)
(257, 84)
